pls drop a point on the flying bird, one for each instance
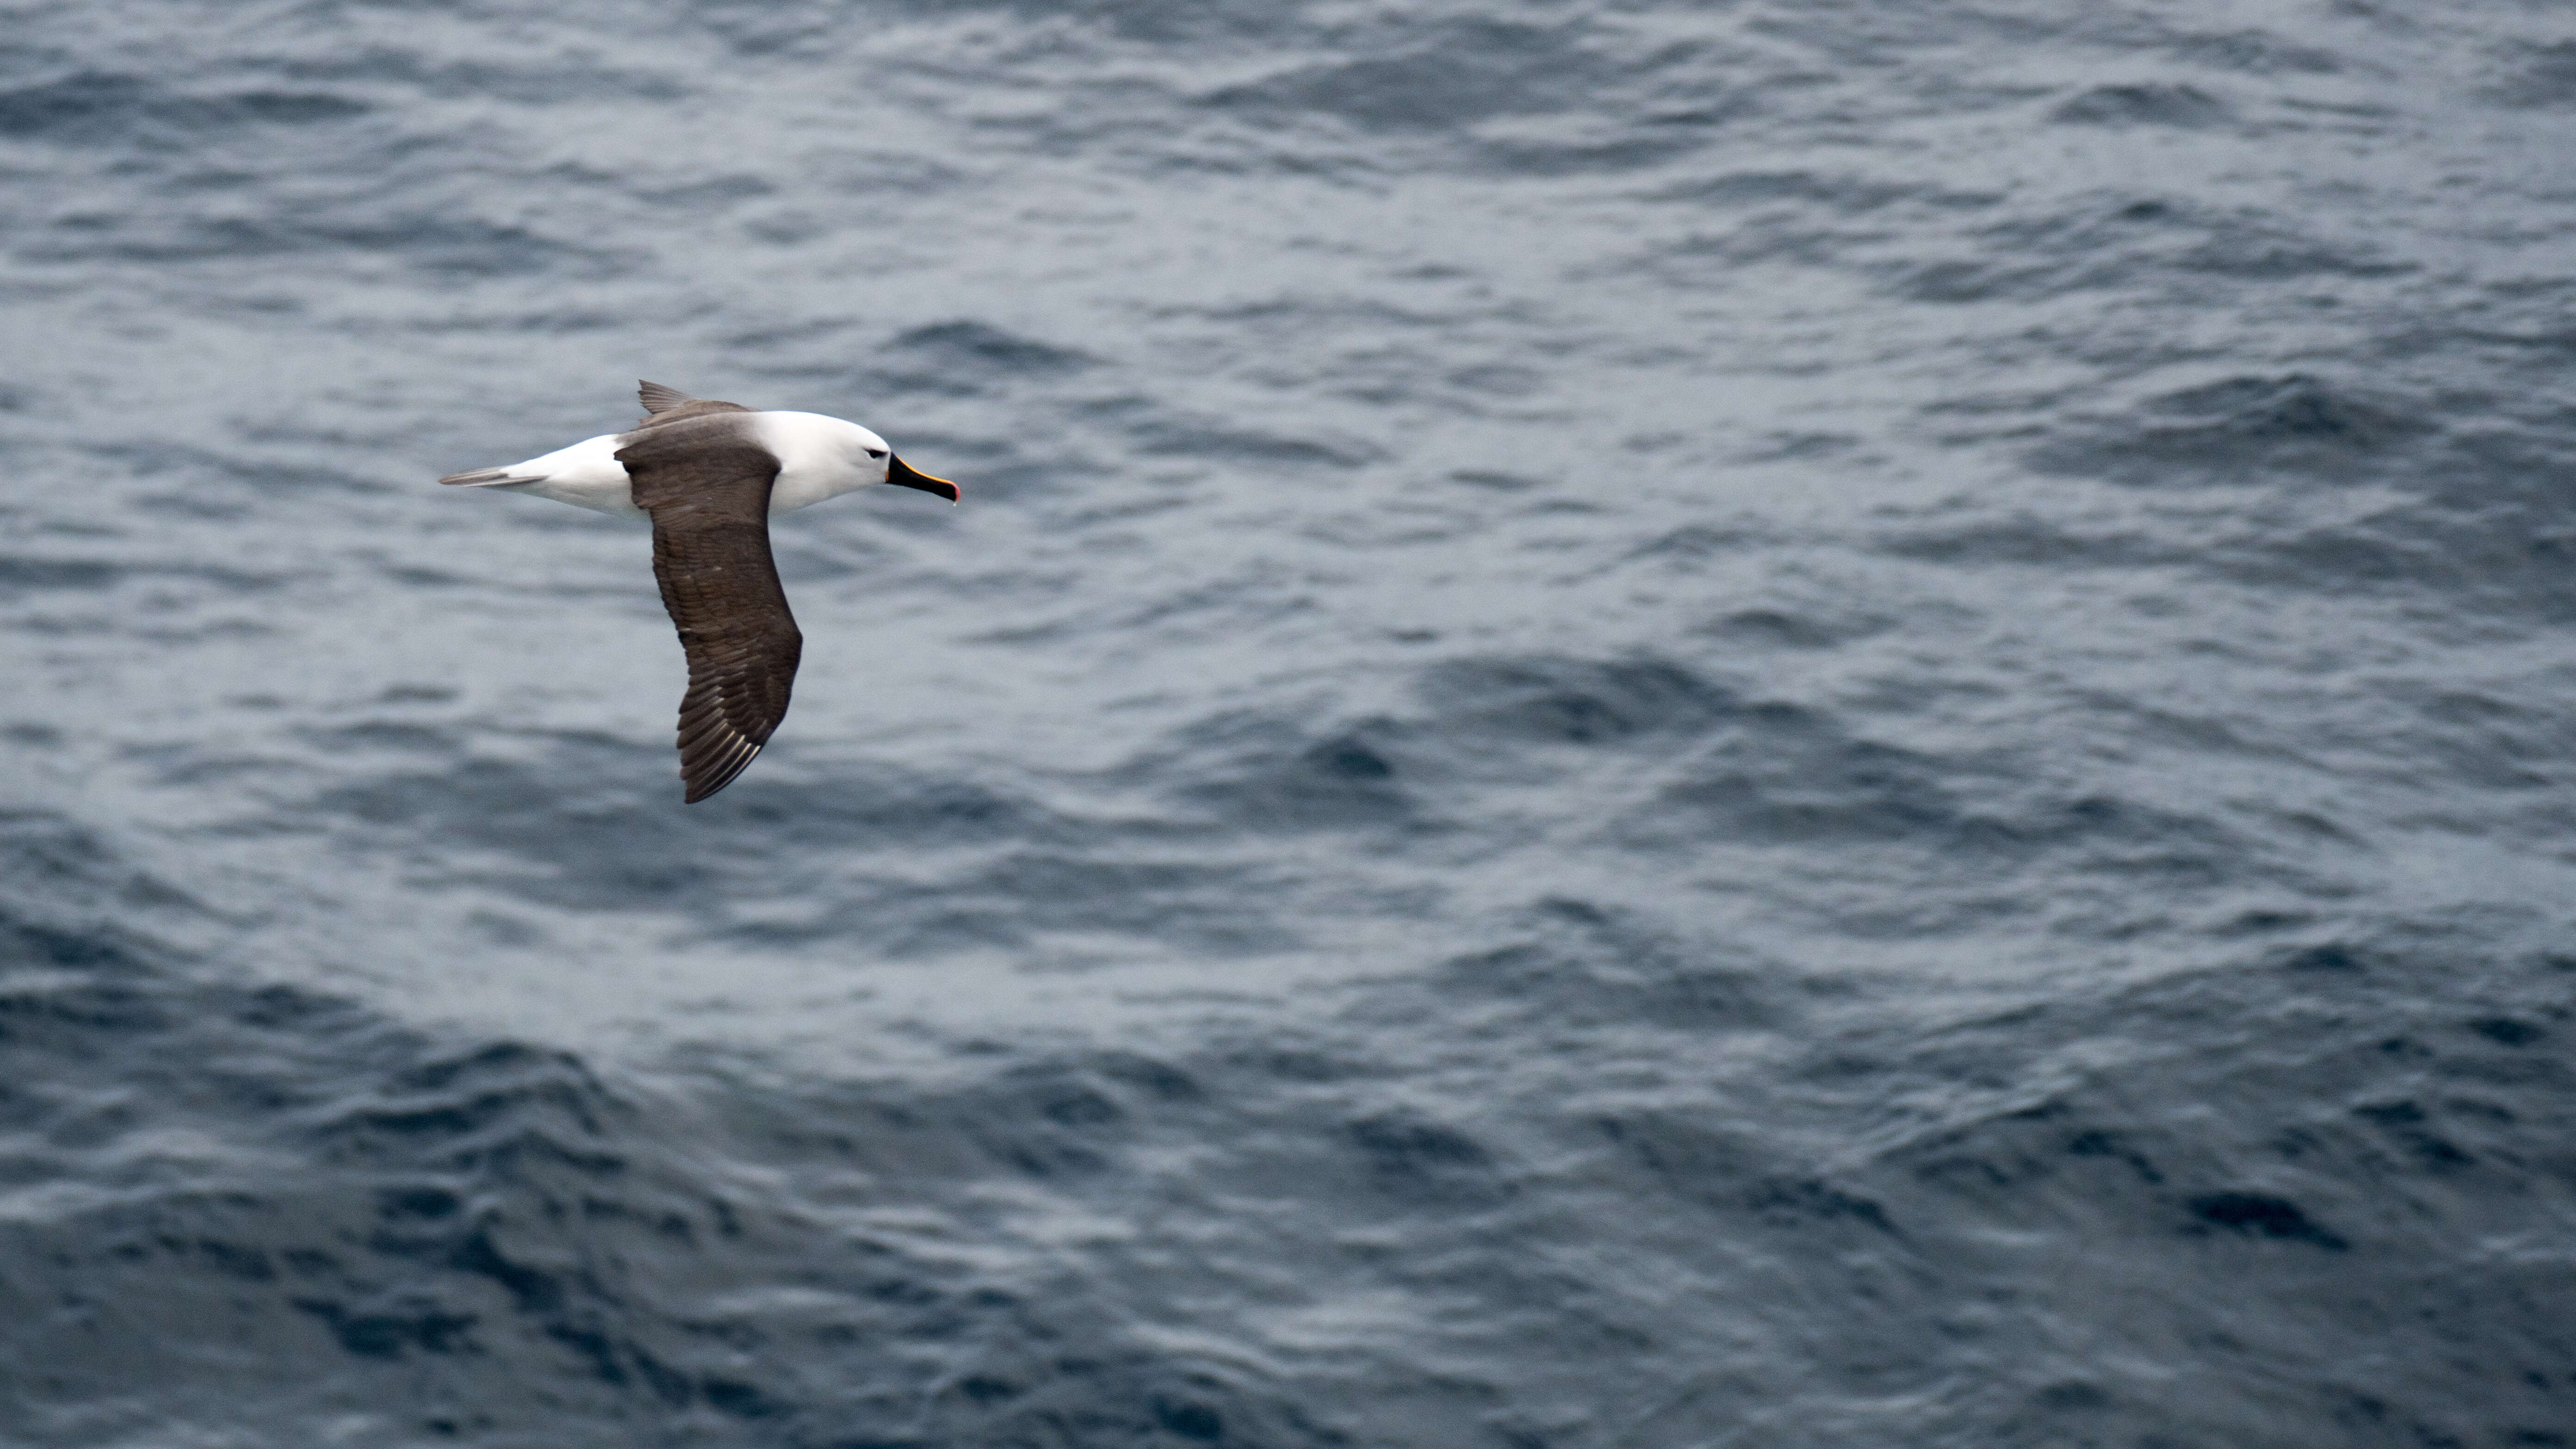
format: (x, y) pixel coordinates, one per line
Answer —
(710, 474)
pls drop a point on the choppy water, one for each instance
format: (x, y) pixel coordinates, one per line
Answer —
(1759, 724)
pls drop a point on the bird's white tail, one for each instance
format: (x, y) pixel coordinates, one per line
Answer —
(490, 478)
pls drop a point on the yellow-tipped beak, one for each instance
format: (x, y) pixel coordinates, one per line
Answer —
(902, 474)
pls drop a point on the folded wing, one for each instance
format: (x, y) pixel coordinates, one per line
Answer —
(706, 484)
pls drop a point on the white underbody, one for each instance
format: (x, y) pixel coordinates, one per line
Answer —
(818, 458)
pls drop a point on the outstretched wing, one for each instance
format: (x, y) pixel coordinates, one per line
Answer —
(706, 484)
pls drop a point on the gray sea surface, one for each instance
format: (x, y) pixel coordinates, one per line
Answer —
(1652, 725)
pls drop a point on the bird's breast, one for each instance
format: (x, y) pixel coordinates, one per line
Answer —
(803, 488)
(810, 486)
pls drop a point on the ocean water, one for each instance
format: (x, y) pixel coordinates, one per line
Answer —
(1652, 726)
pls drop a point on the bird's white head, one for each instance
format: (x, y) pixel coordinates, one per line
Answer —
(866, 451)
(849, 455)
(875, 456)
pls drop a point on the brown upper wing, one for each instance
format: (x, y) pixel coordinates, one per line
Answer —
(706, 482)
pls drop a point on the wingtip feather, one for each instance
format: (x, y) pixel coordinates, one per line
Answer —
(731, 770)
(658, 399)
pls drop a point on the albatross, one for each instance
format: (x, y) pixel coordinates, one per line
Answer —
(709, 475)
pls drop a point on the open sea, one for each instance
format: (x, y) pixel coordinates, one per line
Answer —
(1762, 724)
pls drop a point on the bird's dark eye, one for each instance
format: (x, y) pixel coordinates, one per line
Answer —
(876, 452)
